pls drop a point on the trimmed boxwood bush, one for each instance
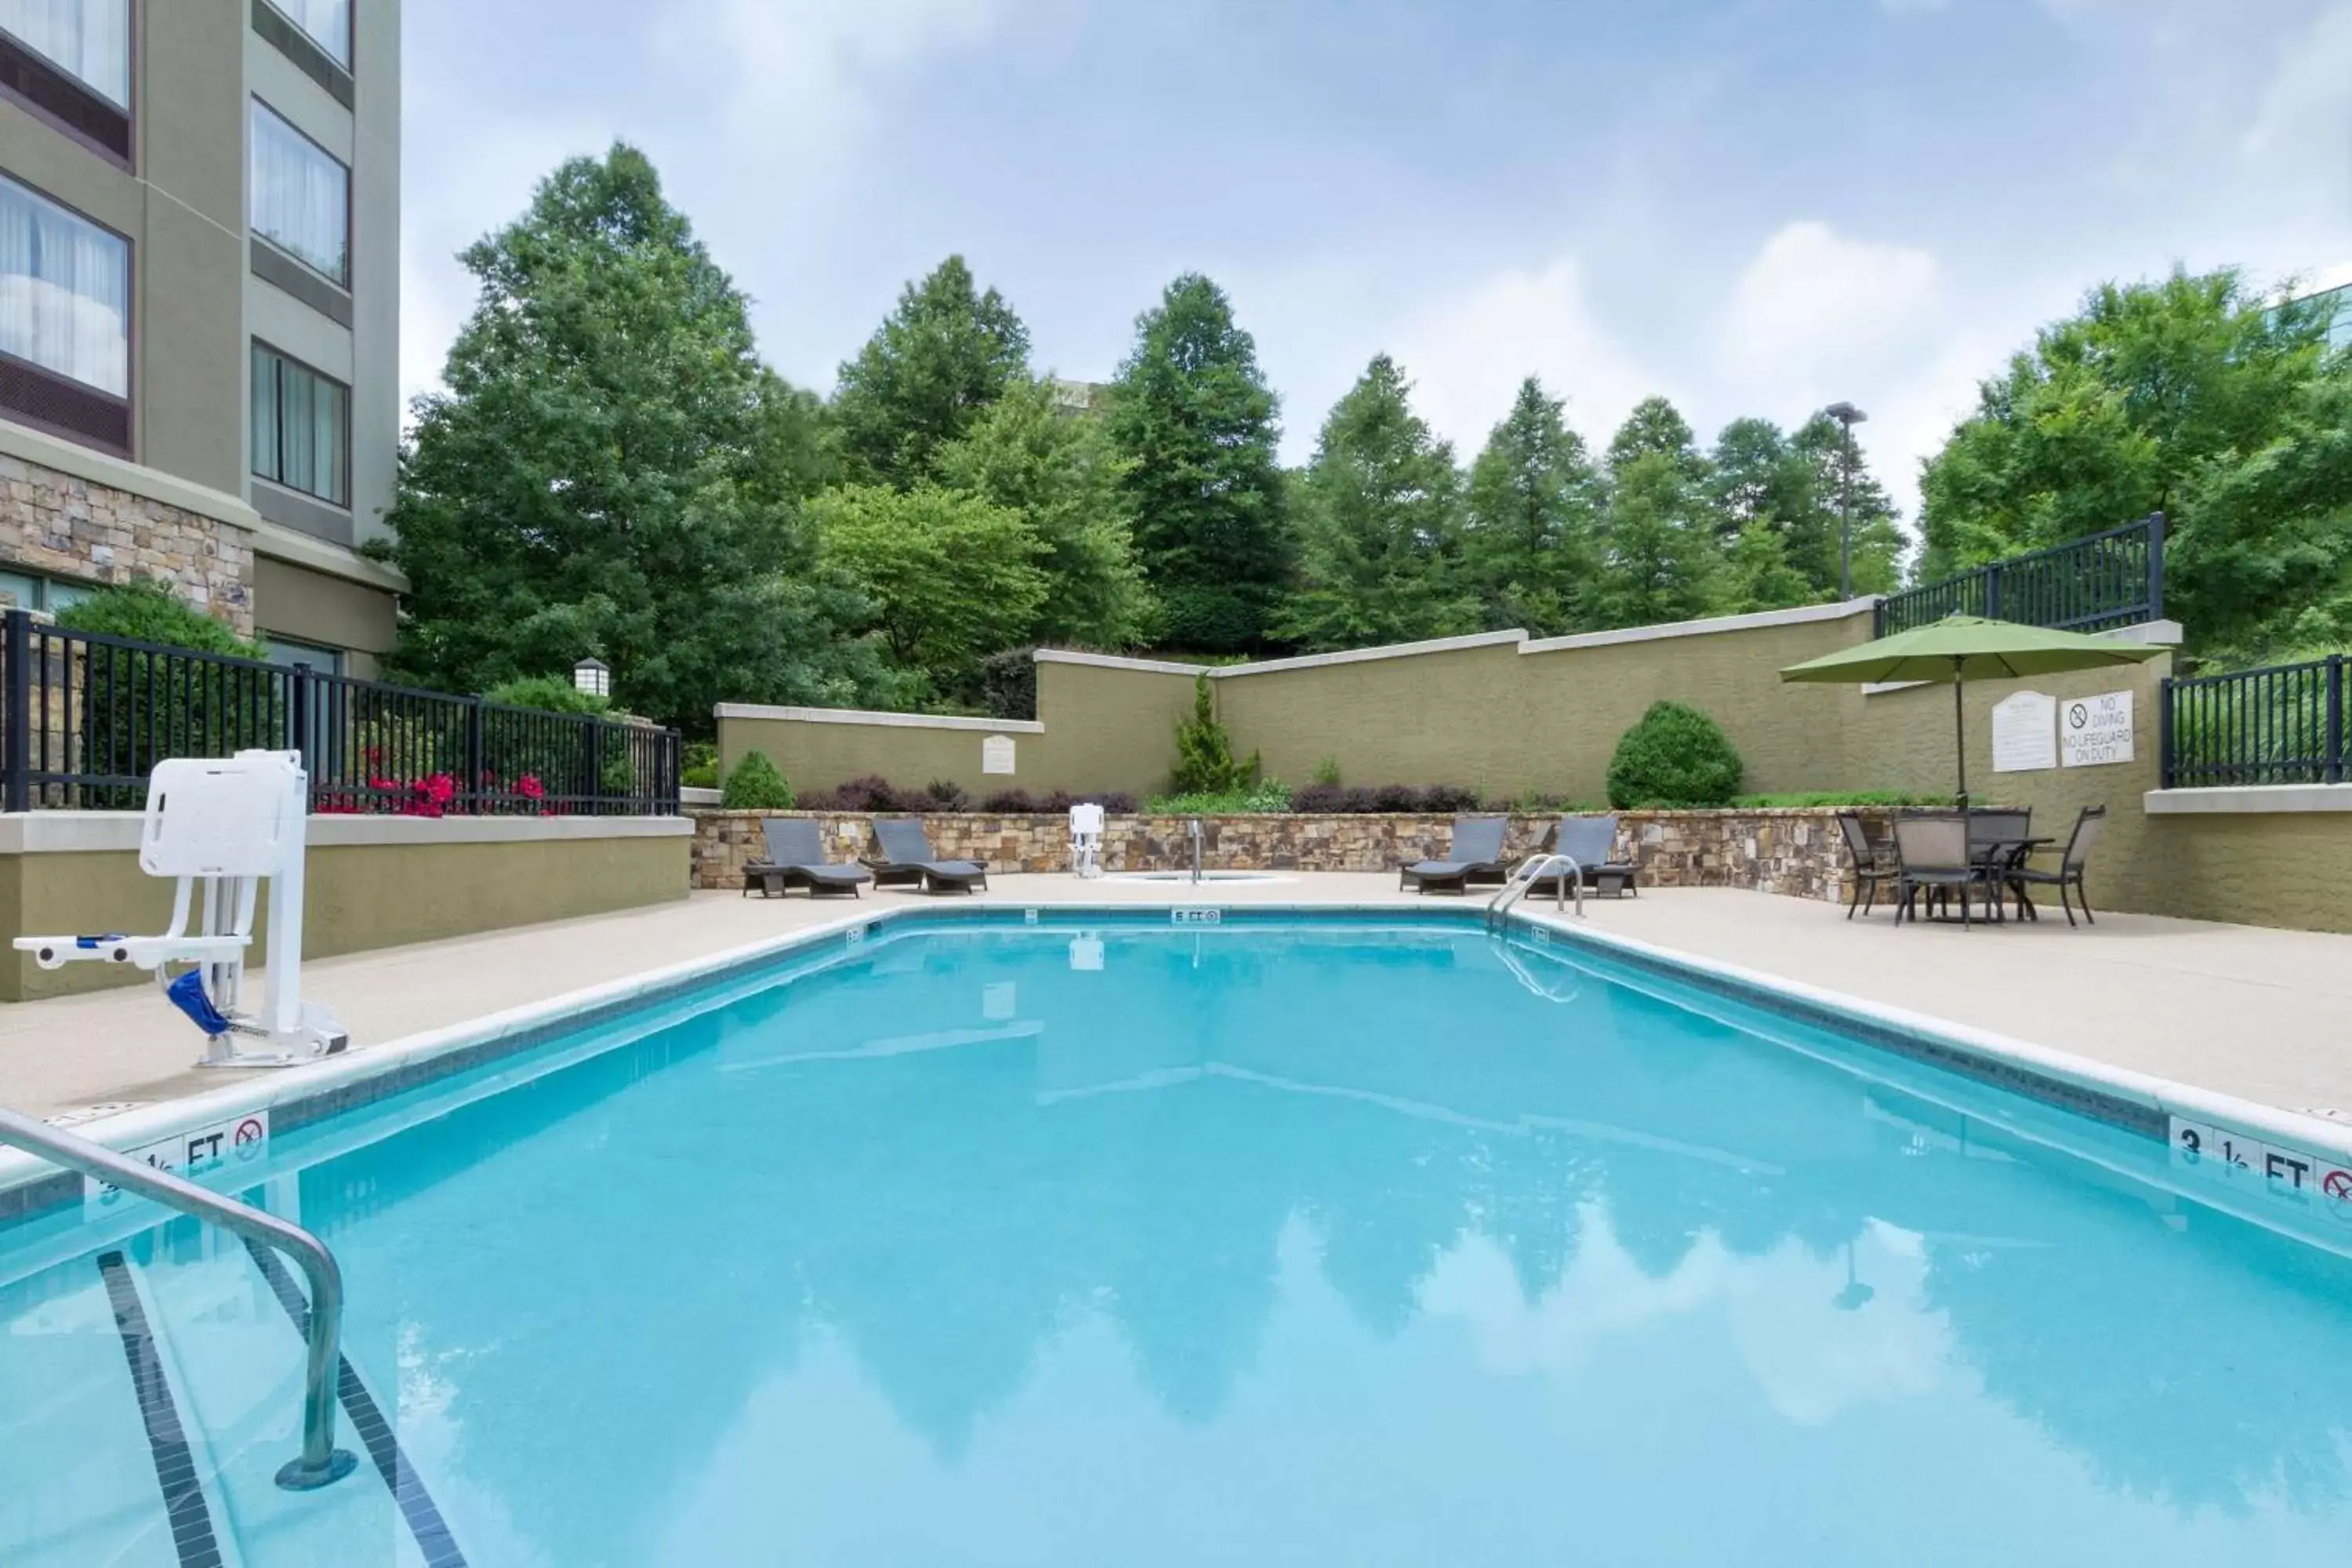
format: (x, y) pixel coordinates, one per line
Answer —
(1673, 758)
(755, 785)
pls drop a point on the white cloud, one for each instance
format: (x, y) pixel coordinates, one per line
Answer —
(805, 71)
(1468, 356)
(2301, 136)
(1815, 310)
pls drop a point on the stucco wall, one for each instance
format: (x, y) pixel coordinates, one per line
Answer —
(2286, 869)
(429, 880)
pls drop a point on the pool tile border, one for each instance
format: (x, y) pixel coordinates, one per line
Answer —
(298, 1096)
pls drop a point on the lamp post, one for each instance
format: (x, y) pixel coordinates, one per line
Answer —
(1848, 415)
(592, 675)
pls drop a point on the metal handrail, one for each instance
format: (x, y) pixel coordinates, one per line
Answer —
(1527, 874)
(1193, 827)
(321, 1463)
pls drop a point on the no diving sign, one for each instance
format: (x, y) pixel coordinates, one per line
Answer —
(2093, 730)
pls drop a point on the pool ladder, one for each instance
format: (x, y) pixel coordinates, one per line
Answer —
(1527, 874)
(1193, 829)
(321, 1463)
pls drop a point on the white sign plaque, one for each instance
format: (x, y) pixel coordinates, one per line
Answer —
(2093, 730)
(2025, 733)
(996, 754)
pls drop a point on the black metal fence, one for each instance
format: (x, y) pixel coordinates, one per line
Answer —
(86, 716)
(2089, 584)
(2283, 724)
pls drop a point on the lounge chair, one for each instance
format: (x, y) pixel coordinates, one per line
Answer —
(1869, 868)
(906, 861)
(1591, 843)
(2069, 873)
(1931, 856)
(796, 859)
(1477, 847)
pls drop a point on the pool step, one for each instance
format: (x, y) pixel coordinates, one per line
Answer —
(80, 1487)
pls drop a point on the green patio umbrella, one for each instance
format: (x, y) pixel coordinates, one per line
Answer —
(1970, 647)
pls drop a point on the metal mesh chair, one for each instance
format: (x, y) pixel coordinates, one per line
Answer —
(1931, 855)
(2070, 864)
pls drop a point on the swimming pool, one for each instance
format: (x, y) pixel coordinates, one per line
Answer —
(1106, 1240)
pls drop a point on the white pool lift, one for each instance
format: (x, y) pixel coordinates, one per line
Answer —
(1085, 839)
(222, 827)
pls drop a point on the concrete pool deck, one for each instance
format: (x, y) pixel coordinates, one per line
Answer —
(2263, 1015)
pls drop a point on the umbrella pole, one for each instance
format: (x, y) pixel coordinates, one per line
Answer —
(1960, 733)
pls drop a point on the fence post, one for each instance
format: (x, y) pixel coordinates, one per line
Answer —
(2155, 566)
(2167, 771)
(472, 793)
(2335, 718)
(595, 767)
(16, 756)
(1992, 592)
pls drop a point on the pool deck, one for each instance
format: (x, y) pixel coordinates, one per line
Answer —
(2263, 1015)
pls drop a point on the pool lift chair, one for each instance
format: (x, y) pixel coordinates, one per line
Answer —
(1085, 839)
(223, 827)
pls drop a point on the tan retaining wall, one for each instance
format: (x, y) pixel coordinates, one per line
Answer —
(1792, 852)
(373, 882)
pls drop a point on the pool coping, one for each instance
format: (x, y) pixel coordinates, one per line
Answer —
(295, 1097)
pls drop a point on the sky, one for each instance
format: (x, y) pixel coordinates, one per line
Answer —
(1751, 206)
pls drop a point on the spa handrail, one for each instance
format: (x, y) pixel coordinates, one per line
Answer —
(322, 1462)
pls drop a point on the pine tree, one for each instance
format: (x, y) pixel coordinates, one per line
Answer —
(1192, 417)
(946, 353)
(1378, 526)
(1661, 559)
(1531, 515)
(611, 471)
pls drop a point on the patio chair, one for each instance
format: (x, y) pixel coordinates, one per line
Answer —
(1869, 868)
(2069, 873)
(796, 859)
(1477, 847)
(1997, 841)
(1931, 856)
(907, 860)
(1591, 843)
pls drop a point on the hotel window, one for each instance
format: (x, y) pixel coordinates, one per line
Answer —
(65, 319)
(301, 197)
(301, 428)
(89, 40)
(328, 24)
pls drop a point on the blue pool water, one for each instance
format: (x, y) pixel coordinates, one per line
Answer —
(1324, 1242)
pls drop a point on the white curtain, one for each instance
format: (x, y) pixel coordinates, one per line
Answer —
(301, 197)
(329, 23)
(88, 40)
(65, 292)
(299, 420)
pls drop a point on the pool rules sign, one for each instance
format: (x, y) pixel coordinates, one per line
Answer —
(2093, 730)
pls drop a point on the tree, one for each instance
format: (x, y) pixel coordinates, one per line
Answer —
(951, 577)
(1378, 526)
(2112, 413)
(609, 472)
(1192, 414)
(1063, 474)
(945, 354)
(1532, 511)
(1661, 558)
(1835, 475)
(2193, 395)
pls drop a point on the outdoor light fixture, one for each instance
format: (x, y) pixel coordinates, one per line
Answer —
(1847, 415)
(590, 674)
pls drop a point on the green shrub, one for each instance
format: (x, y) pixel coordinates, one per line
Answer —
(1327, 772)
(1803, 800)
(547, 694)
(757, 786)
(152, 613)
(1675, 757)
(1204, 753)
(698, 765)
(1270, 797)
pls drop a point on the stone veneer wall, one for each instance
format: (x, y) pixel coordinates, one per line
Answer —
(65, 526)
(1794, 852)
